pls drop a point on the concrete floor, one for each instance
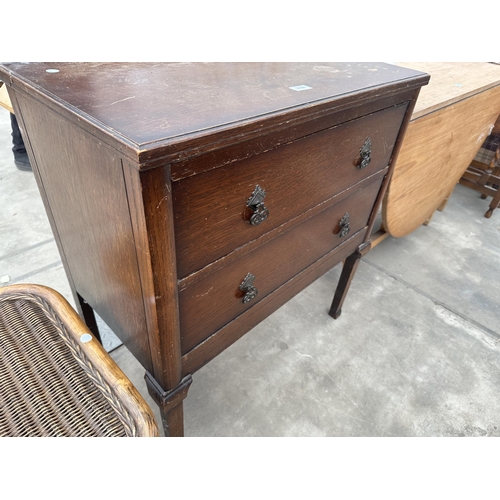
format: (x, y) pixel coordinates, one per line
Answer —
(415, 352)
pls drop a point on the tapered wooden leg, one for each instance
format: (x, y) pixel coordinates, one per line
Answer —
(173, 421)
(170, 404)
(444, 203)
(348, 271)
(494, 204)
(428, 221)
(88, 315)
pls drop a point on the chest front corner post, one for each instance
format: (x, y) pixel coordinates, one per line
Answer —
(152, 192)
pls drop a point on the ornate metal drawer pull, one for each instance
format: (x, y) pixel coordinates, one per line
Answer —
(344, 225)
(365, 155)
(256, 204)
(247, 287)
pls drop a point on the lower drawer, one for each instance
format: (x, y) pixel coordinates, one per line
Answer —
(208, 304)
(230, 333)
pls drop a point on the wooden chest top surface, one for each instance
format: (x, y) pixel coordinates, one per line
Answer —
(148, 103)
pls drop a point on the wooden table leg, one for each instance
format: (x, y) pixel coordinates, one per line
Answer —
(443, 203)
(88, 315)
(348, 271)
(173, 421)
(170, 404)
(428, 221)
(439, 209)
(494, 204)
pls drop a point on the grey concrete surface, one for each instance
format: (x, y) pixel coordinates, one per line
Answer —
(414, 353)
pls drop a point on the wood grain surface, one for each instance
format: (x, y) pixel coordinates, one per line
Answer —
(163, 111)
(148, 102)
(443, 137)
(452, 82)
(92, 220)
(210, 207)
(232, 331)
(217, 298)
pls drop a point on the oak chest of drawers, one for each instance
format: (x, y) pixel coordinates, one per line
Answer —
(190, 201)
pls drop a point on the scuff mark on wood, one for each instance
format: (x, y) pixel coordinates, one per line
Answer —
(111, 104)
(161, 201)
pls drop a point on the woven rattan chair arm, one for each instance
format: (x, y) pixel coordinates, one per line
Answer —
(99, 366)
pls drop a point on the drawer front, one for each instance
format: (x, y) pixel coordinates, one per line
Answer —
(211, 213)
(208, 304)
(232, 331)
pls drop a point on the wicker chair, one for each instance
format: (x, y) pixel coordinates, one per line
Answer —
(55, 378)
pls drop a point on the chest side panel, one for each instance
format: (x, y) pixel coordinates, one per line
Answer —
(83, 183)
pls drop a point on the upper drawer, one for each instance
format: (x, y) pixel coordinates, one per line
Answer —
(211, 213)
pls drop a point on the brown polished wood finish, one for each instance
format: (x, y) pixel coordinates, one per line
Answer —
(210, 226)
(217, 298)
(146, 171)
